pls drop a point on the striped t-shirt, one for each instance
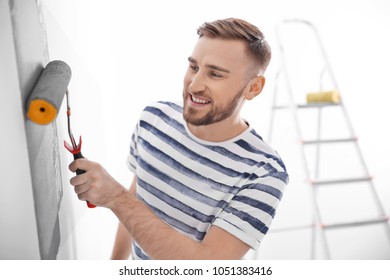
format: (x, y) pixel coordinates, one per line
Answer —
(192, 184)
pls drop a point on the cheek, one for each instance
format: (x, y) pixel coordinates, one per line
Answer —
(187, 78)
(221, 90)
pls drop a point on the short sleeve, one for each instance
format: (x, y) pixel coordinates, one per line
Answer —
(250, 212)
(133, 151)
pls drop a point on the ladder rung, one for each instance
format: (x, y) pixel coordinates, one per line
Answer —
(377, 220)
(340, 181)
(308, 105)
(325, 141)
(289, 228)
(317, 105)
(278, 107)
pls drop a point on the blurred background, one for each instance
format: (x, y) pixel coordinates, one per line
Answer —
(126, 54)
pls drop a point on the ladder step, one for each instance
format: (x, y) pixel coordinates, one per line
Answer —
(306, 106)
(290, 228)
(341, 181)
(317, 105)
(278, 107)
(330, 141)
(373, 221)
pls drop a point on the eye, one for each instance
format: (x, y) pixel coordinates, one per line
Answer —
(194, 67)
(215, 75)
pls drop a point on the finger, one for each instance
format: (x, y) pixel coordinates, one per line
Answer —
(79, 180)
(80, 189)
(82, 197)
(82, 164)
(86, 196)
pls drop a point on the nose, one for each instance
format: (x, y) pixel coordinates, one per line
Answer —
(197, 83)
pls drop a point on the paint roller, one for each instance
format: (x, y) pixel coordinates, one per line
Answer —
(45, 101)
(331, 96)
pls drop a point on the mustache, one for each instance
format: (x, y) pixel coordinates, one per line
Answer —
(200, 94)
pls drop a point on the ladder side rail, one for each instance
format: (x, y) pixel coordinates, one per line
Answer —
(273, 108)
(333, 78)
(319, 130)
(293, 110)
(318, 145)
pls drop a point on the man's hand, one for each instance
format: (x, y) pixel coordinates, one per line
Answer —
(95, 185)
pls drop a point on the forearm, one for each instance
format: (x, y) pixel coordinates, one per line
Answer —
(122, 245)
(157, 239)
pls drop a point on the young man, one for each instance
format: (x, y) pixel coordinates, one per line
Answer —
(205, 184)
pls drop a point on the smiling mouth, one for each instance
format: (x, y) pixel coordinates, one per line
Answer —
(199, 100)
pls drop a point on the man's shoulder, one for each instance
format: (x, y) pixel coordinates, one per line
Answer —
(254, 142)
(164, 106)
(261, 151)
(162, 110)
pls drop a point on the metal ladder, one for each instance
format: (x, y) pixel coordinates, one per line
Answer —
(319, 227)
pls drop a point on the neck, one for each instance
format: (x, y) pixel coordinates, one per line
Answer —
(220, 131)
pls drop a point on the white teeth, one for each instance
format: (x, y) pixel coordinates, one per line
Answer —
(198, 100)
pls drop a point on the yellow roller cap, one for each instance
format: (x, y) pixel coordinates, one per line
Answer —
(324, 96)
(41, 111)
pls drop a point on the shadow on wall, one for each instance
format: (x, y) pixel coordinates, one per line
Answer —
(31, 53)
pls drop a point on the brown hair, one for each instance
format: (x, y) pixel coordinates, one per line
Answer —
(238, 29)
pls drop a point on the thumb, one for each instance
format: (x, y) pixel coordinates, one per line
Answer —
(81, 164)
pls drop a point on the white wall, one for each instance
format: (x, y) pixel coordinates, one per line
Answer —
(125, 54)
(17, 215)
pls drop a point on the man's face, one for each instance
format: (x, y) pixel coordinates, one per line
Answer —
(215, 81)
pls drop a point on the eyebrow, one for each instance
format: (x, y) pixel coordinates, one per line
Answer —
(215, 67)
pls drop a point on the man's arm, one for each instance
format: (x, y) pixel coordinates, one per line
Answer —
(161, 241)
(122, 245)
(157, 238)
(123, 239)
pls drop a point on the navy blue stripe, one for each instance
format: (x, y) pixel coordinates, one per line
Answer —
(176, 203)
(256, 203)
(259, 225)
(132, 152)
(282, 176)
(230, 223)
(172, 122)
(270, 168)
(199, 235)
(174, 106)
(256, 135)
(179, 186)
(133, 135)
(265, 188)
(225, 152)
(273, 172)
(168, 160)
(139, 252)
(133, 166)
(245, 145)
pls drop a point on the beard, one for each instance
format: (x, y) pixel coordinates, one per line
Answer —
(215, 114)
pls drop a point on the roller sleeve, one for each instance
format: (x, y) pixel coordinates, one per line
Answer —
(45, 100)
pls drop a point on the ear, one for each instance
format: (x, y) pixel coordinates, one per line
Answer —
(255, 85)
